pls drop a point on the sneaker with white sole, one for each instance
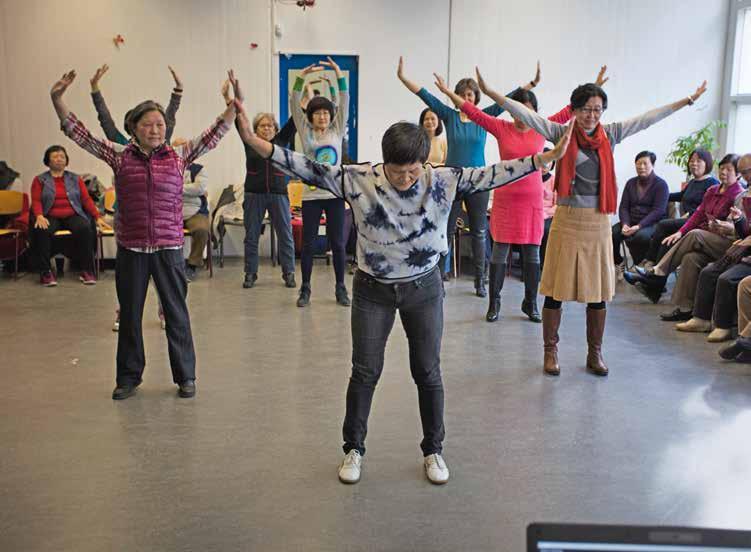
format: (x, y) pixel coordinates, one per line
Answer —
(349, 470)
(116, 324)
(436, 469)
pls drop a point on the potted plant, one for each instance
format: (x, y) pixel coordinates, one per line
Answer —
(705, 137)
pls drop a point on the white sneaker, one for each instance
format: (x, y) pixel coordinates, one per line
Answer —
(718, 335)
(436, 469)
(694, 325)
(349, 470)
(116, 325)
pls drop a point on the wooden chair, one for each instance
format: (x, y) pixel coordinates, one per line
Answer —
(11, 204)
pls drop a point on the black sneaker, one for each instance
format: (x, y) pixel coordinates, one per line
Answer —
(304, 299)
(250, 280)
(186, 389)
(342, 297)
(123, 392)
(289, 279)
(190, 272)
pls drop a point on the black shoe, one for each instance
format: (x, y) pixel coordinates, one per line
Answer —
(123, 392)
(186, 389)
(730, 352)
(494, 310)
(342, 297)
(651, 292)
(744, 357)
(480, 289)
(445, 276)
(250, 280)
(289, 279)
(190, 272)
(529, 307)
(304, 299)
(676, 315)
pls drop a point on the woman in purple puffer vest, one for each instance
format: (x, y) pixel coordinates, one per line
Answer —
(149, 230)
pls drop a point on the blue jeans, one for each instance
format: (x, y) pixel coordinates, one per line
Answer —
(254, 209)
(374, 306)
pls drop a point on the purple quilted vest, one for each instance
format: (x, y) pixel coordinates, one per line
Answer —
(149, 199)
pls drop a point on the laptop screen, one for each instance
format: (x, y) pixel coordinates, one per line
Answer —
(550, 546)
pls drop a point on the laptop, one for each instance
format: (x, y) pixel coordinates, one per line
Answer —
(551, 537)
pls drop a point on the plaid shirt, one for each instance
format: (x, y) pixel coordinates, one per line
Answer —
(112, 153)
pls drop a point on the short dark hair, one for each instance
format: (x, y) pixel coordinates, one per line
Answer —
(463, 84)
(646, 153)
(52, 149)
(524, 96)
(316, 104)
(126, 125)
(705, 156)
(583, 92)
(135, 114)
(405, 143)
(730, 159)
(439, 128)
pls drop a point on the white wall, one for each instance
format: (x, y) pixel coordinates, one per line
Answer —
(657, 51)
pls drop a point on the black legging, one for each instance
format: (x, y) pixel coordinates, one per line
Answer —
(477, 209)
(551, 303)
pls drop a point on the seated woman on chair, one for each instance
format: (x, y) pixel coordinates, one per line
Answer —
(60, 201)
(643, 203)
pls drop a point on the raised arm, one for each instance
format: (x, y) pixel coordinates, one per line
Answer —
(294, 164)
(75, 129)
(507, 172)
(209, 138)
(495, 109)
(550, 130)
(295, 97)
(174, 104)
(624, 129)
(436, 106)
(102, 111)
(342, 111)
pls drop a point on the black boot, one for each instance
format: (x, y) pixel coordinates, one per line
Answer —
(497, 275)
(480, 289)
(531, 283)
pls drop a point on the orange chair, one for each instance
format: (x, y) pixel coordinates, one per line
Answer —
(12, 204)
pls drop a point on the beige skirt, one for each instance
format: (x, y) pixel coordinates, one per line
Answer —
(579, 263)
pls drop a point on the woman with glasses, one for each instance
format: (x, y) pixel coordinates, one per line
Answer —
(578, 263)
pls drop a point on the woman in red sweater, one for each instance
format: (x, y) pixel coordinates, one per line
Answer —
(60, 201)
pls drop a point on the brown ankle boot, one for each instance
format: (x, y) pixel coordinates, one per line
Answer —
(595, 330)
(551, 320)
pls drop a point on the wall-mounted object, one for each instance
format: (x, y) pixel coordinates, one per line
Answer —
(306, 3)
(253, 45)
(118, 40)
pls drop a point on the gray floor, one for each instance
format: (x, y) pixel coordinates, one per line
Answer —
(250, 463)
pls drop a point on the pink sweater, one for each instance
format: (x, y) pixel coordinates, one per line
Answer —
(517, 214)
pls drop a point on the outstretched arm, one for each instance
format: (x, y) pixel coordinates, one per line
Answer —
(295, 97)
(507, 172)
(294, 164)
(629, 127)
(436, 106)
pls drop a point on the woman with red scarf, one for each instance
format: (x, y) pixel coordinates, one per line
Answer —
(578, 261)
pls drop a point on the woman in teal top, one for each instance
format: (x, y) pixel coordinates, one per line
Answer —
(466, 148)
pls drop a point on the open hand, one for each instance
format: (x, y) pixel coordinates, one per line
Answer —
(311, 69)
(225, 91)
(59, 88)
(538, 75)
(94, 81)
(178, 82)
(330, 63)
(561, 147)
(235, 82)
(41, 222)
(699, 91)
(601, 78)
(481, 81)
(672, 238)
(103, 226)
(441, 84)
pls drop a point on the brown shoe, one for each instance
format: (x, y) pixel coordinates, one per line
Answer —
(551, 320)
(595, 330)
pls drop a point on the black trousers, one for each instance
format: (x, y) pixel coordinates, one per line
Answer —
(637, 243)
(717, 293)
(132, 274)
(662, 230)
(374, 306)
(83, 242)
(477, 209)
(544, 244)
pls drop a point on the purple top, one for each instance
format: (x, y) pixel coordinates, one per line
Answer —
(647, 209)
(715, 203)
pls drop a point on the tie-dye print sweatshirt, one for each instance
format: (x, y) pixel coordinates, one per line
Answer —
(400, 234)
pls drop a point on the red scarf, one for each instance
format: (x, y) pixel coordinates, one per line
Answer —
(566, 169)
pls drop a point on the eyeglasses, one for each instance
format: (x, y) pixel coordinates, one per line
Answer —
(591, 110)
